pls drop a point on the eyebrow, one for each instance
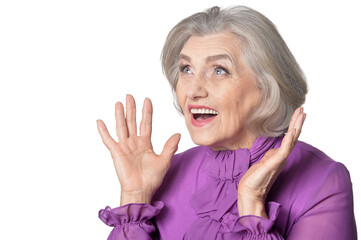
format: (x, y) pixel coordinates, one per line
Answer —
(185, 57)
(209, 58)
(217, 57)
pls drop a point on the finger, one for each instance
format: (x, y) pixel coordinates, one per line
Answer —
(287, 143)
(299, 125)
(170, 147)
(121, 125)
(295, 115)
(131, 115)
(146, 123)
(290, 140)
(107, 139)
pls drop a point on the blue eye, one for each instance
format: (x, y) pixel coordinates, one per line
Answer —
(221, 71)
(185, 69)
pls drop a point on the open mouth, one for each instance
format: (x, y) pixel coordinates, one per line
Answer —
(201, 115)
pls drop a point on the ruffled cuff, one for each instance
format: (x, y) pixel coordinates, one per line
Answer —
(130, 213)
(257, 225)
(131, 221)
(253, 225)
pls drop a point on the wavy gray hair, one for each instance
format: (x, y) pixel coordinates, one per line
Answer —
(281, 81)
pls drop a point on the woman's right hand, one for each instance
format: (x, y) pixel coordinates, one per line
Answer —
(140, 171)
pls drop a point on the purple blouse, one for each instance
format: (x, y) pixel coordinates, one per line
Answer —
(311, 199)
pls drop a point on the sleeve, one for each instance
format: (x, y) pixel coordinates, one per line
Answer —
(330, 216)
(254, 227)
(131, 221)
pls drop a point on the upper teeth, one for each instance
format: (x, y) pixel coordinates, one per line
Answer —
(203, 111)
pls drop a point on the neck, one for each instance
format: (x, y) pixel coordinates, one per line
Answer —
(244, 142)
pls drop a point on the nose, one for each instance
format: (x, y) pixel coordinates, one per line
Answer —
(196, 88)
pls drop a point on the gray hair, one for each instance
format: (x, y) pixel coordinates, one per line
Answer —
(281, 82)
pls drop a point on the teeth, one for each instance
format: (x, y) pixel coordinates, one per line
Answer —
(203, 111)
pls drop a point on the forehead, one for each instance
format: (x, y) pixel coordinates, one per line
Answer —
(219, 43)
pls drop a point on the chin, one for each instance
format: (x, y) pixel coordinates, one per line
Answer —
(202, 140)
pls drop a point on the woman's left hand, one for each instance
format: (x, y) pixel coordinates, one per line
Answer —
(258, 180)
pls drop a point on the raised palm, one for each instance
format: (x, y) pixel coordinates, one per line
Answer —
(258, 180)
(140, 171)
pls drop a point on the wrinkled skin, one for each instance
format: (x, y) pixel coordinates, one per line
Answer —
(212, 74)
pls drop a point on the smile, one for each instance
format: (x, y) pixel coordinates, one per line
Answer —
(201, 115)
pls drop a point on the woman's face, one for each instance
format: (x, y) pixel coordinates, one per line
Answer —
(216, 92)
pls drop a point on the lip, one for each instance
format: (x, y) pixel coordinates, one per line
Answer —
(200, 123)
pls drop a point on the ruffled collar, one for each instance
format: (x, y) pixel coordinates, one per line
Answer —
(230, 164)
(217, 198)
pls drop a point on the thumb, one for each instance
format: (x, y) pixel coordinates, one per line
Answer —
(170, 147)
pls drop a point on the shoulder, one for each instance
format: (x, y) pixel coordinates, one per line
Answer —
(308, 154)
(315, 169)
(189, 157)
(187, 165)
(309, 178)
(186, 173)
(313, 188)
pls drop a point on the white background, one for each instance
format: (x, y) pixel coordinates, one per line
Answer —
(64, 64)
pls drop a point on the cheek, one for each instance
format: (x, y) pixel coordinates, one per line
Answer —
(179, 94)
(235, 113)
(232, 121)
(181, 98)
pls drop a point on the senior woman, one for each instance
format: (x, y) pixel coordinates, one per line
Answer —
(240, 91)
